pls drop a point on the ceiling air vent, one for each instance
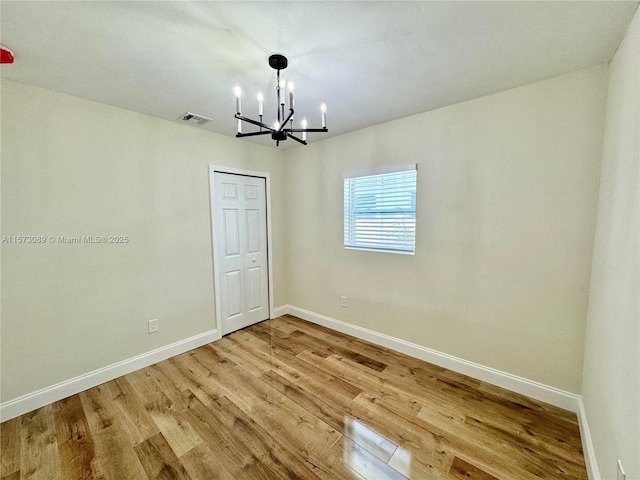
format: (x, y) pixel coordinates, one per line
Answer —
(193, 118)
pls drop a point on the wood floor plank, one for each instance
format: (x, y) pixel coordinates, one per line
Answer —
(10, 447)
(202, 463)
(410, 464)
(273, 448)
(158, 374)
(483, 443)
(214, 441)
(366, 464)
(238, 353)
(288, 343)
(536, 460)
(369, 439)
(426, 447)
(178, 433)
(462, 470)
(149, 393)
(111, 437)
(440, 415)
(39, 458)
(373, 385)
(304, 374)
(347, 343)
(188, 370)
(276, 413)
(288, 399)
(536, 430)
(134, 418)
(564, 416)
(246, 444)
(334, 416)
(12, 476)
(322, 346)
(282, 327)
(434, 447)
(159, 461)
(75, 442)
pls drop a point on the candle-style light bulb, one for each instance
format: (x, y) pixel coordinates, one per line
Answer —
(239, 126)
(323, 109)
(260, 104)
(237, 92)
(290, 87)
(276, 125)
(303, 124)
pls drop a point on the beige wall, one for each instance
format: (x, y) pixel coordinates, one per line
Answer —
(75, 167)
(610, 390)
(507, 192)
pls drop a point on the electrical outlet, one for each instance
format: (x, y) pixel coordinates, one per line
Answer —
(620, 475)
(153, 325)
(343, 301)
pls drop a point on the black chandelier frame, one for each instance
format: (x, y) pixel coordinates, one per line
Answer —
(282, 132)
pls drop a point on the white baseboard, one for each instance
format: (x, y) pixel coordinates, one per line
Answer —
(279, 311)
(45, 396)
(539, 391)
(587, 444)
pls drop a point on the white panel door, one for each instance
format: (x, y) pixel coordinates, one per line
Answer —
(240, 230)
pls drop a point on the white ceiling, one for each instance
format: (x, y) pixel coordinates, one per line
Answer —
(371, 62)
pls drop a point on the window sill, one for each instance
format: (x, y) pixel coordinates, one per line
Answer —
(380, 250)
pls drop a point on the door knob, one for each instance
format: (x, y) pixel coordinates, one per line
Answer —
(253, 260)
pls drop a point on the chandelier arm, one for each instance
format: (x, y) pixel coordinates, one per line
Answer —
(282, 125)
(296, 139)
(252, 134)
(254, 122)
(308, 130)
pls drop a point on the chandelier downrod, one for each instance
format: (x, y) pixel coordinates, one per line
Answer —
(279, 132)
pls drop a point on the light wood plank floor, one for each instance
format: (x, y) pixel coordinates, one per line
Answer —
(287, 399)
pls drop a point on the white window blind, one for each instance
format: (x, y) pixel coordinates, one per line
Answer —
(380, 209)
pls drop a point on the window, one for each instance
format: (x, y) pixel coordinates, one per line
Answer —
(380, 209)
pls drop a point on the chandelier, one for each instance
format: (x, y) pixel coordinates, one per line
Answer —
(283, 127)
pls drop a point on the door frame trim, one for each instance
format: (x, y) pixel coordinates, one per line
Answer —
(216, 274)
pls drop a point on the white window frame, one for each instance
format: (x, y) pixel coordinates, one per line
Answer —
(351, 241)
